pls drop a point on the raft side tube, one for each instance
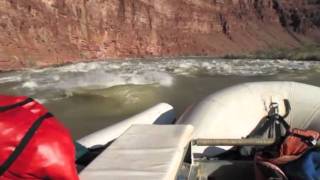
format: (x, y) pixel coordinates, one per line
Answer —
(162, 113)
(234, 112)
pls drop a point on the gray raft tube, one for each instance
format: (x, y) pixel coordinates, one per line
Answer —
(161, 113)
(234, 112)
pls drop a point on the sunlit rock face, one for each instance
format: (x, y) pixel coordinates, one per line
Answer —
(37, 33)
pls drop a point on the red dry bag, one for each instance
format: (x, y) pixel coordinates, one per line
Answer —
(290, 158)
(33, 144)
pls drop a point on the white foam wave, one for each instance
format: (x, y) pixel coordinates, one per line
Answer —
(79, 67)
(42, 101)
(10, 79)
(193, 66)
(98, 78)
(103, 79)
(162, 72)
(30, 84)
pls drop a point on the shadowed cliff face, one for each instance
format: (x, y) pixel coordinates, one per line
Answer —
(37, 33)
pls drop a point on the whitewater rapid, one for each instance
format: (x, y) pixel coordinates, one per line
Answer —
(106, 74)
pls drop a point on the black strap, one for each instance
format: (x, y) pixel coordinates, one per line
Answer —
(287, 106)
(279, 122)
(11, 106)
(23, 143)
(306, 139)
(284, 123)
(277, 126)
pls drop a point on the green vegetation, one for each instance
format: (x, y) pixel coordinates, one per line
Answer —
(307, 52)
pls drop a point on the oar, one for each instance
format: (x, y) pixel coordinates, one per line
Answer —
(238, 142)
(234, 142)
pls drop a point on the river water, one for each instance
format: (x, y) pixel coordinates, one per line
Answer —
(90, 96)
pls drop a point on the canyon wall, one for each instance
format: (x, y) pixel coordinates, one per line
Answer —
(35, 33)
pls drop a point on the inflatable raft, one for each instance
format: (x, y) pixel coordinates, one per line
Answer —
(165, 151)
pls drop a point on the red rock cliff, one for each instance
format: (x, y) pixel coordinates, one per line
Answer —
(45, 32)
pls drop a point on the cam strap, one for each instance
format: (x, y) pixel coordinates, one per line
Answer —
(11, 106)
(309, 140)
(23, 143)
